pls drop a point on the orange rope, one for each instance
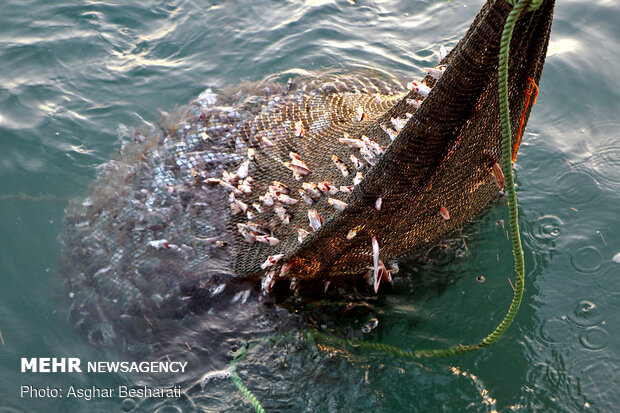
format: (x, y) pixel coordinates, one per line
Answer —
(531, 87)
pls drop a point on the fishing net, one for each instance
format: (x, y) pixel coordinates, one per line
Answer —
(405, 172)
(290, 183)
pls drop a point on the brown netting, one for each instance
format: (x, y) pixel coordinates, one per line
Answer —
(441, 158)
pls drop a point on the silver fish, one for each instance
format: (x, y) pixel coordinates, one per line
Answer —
(315, 219)
(272, 260)
(282, 213)
(356, 162)
(327, 188)
(302, 234)
(312, 189)
(285, 199)
(338, 204)
(340, 165)
(415, 103)
(419, 88)
(358, 179)
(307, 199)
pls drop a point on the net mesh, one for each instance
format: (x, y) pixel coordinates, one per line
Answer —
(431, 159)
(230, 181)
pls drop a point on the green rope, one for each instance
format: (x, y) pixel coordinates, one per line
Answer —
(504, 54)
(242, 352)
(247, 393)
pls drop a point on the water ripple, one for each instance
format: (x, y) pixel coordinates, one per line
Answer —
(586, 259)
(594, 338)
(576, 188)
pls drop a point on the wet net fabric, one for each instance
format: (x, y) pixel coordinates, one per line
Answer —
(428, 163)
(303, 174)
(149, 244)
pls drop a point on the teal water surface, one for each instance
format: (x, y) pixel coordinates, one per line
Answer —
(75, 73)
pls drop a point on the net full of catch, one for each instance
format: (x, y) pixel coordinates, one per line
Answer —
(336, 177)
(295, 183)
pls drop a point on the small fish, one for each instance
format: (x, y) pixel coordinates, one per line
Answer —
(498, 174)
(237, 206)
(354, 143)
(442, 53)
(340, 165)
(213, 181)
(230, 177)
(289, 84)
(285, 199)
(361, 115)
(278, 188)
(299, 129)
(312, 189)
(444, 213)
(346, 189)
(268, 240)
(268, 281)
(231, 188)
(378, 203)
(371, 325)
(251, 215)
(257, 228)
(159, 244)
(351, 234)
(268, 199)
(375, 263)
(286, 268)
(272, 260)
(358, 179)
(419, 88)
(294, 283)
(327, 188)
(302, 234)
(245, 187)
(356, 162)
(244, 169)
(281, 212)
(315, 219)
(398, 123)
(307, 199)
(251, 154)
(245, 231)
(372, 145)
(394, 268)
(338, 204)
(415, 103)
(299, 168)
(368, 156)
(258, 207)
(435, 72)
(390, 132)
(380, 273)
(299, 171)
